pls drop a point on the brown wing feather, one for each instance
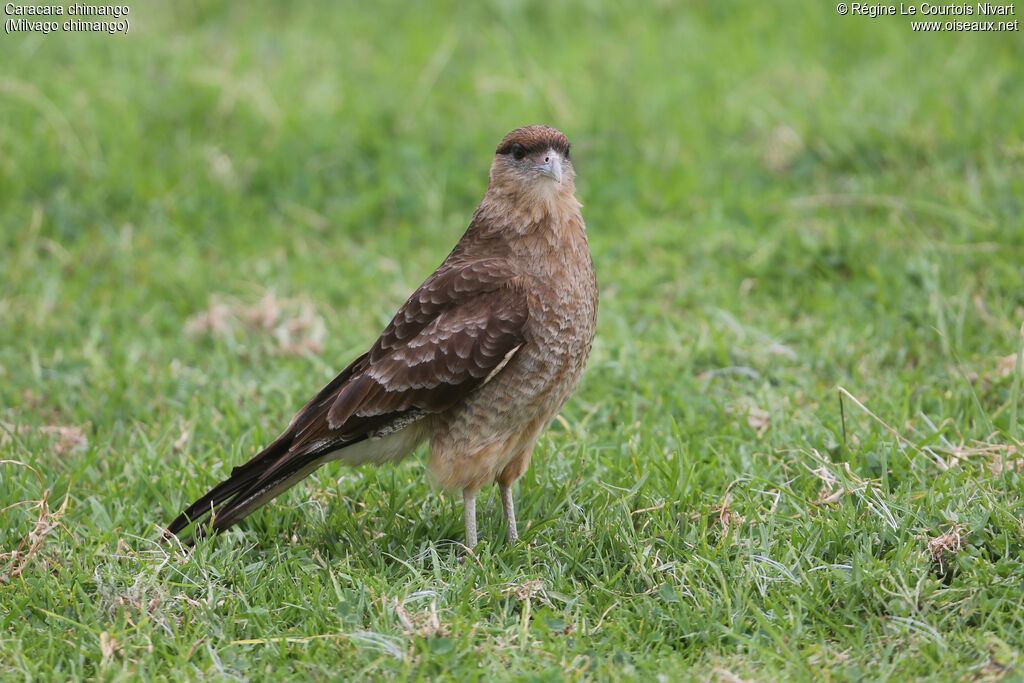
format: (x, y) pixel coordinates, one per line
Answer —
(447, 359)
(447, 288)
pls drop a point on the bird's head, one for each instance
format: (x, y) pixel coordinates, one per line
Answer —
(533, 161)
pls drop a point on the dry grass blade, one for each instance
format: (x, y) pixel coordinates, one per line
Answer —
(832, 490)
(18, 560)
(892, 430)
(423, 624)
(946, 545)
(996, 455)
(522, 591)
(724, 516)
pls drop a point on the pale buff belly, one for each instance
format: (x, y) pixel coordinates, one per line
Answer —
(495, 429)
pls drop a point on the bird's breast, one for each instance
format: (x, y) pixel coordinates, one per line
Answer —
(563, 315)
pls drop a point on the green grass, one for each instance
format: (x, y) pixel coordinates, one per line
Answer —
(781, 202)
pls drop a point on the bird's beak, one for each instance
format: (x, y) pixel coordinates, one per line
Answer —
(552, 168)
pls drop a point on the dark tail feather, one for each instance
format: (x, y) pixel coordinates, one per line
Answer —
(301, 449)
(241, 493)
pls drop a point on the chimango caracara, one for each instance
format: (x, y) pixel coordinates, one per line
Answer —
(478, 361)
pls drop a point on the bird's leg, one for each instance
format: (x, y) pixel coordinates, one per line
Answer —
(510, 512)
(469, 513)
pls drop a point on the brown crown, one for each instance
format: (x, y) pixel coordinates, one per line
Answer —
(535, 139)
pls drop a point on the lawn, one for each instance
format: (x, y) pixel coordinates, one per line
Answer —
(796, 453)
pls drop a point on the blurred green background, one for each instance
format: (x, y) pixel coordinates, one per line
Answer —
(202, 220)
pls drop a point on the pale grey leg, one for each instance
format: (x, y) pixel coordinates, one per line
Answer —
(469, 512)
(510, 513)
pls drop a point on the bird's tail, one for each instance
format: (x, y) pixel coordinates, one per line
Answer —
(306, 445)
(249, 487)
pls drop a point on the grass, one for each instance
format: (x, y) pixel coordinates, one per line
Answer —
(203, 220)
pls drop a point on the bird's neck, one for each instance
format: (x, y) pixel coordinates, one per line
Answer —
(526, 215)
(546, 239)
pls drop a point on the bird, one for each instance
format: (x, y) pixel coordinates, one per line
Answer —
(478, 361)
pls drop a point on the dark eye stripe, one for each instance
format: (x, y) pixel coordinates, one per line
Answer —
(515, 147)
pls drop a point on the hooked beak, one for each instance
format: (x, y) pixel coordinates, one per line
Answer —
(552, 167)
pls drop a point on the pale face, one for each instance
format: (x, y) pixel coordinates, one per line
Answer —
(546, 173)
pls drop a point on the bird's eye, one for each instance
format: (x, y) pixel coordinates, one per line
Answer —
(518, 151)
(567, 148)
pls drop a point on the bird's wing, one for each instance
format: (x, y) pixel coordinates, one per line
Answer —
(454, 334)
(443, 342)
(439, 347)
